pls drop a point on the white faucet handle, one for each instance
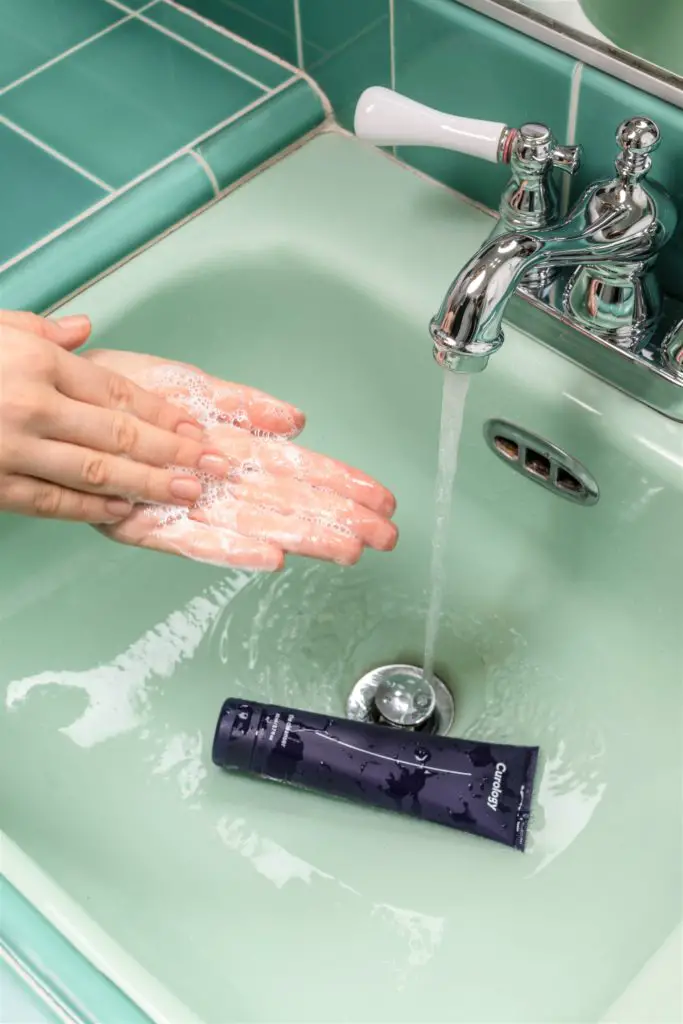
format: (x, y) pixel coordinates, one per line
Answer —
(387, 118)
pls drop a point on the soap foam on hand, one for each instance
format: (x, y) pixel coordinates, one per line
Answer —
(277, 497)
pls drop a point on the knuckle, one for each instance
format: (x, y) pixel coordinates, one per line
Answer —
(47, 500)
(95, 471)
(43, 358)
(125, 434)
(120, 392)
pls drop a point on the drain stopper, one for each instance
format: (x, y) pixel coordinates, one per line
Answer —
(405, 700)
(402, 697)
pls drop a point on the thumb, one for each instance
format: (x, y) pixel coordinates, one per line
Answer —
(69, 332)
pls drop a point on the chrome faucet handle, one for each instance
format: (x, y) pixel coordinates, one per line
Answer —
(637, 137)
(531, 199)
(618, 300)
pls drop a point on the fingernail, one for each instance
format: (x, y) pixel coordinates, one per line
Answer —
(186, 489)
(190, 430)
(118, 509)
(217, 465)
(387, 536)
(73, 323)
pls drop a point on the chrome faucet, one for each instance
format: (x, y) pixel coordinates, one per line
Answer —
(610, 239)
(592, 270)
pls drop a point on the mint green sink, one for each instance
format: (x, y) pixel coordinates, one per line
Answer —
(240, 900)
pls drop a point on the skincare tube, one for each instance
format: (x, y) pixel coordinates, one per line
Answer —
(478, 787)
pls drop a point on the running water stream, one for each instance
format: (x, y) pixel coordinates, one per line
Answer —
(452, 412)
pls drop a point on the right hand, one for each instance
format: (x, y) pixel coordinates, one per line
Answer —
(79, 441)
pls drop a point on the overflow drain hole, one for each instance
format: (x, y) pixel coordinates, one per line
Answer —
(507, 447)
(542, 462)
(537, 463)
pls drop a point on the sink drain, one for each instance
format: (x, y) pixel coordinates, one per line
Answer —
(400, 696)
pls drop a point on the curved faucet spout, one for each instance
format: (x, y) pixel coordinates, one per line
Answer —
(617, 223)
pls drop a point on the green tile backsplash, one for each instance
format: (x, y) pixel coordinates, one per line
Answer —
(114, 122)
(33, 32)
(95, 94)
(454, 59)
(41, 211)
(269, 24)
(346, 47)
(165, 95)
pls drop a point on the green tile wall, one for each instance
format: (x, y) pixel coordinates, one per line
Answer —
(343, 44)
(455, 59)
(267, 23)
(118, 119)
(167, 93)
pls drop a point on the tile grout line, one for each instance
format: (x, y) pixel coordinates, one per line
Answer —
(228, 190)
(65, 53)
(392, 44)
(55, 153)
(572, 121)
(273, 57)
(299, 33)
(150, 172)
(208, 170)
(131, 10)
(198, 49)
(392, 55)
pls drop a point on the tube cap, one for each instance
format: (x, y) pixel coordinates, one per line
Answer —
(236, 734)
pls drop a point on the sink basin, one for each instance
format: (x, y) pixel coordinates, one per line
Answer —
(249, 901)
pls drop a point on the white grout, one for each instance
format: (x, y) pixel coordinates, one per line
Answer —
(297, 74)
(145, 174)
(202, 51)
(572, 119)
(573, 109)
(273, 57)
(392, 43)
(208, 170)
(299, 34)
(228, 190)
(54, 153)
(64, 54)
(131, 10)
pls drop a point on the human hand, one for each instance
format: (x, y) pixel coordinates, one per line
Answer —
(277, 497)
(79, 440)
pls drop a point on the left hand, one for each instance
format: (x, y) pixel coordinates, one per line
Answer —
(277, 498)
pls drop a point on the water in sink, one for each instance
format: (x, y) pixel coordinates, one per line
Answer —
(254, 902)
(452, 414)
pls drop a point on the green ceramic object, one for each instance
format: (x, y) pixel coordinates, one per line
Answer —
(653, 30)
(252, 902)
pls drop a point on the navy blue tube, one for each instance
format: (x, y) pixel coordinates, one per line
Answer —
(482, 788)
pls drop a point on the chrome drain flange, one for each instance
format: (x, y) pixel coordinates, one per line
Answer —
(400, 696)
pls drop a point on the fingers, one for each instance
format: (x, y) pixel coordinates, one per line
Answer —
(85, 469)
(291, 533)
(195, 540)
(255, 410)
(284, 459)
(29, 497)
(290, 497)
(209, 398)
(68, 331)
(87, 382)
(120, 433)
